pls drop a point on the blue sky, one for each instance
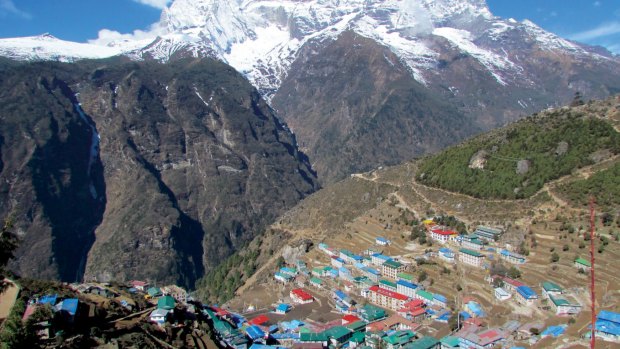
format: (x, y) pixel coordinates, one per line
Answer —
(594, 22)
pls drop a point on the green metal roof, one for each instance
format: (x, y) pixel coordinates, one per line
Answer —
(223, 327)
(423, 343)
(559, 301)
(337, 332)
(425, 294)
(372, 312)
(313, 337)
(316, 280)
(387, 283)
(550, 286)
(392, 264)
(450, 341)
(154, 291)
(583, 262)
(405, 276)
(358, 337)
(166, 302)
(470, 252)
(356, 326)
(400, 338)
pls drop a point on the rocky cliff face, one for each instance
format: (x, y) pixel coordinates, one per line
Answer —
(355, 106)
(448, 58)
(120, 170)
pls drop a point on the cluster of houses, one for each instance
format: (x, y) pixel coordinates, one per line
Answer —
(165, 298)
(372, 327)
(65, 309)
(383, 282)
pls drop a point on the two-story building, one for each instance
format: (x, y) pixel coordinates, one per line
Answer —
(471, 257)
(512, 257)
(471, 242)
(442, 235)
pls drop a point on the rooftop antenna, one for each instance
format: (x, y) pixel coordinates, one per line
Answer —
(592, 296)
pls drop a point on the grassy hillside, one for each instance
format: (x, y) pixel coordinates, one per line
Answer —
(516, 161)
(603, 185)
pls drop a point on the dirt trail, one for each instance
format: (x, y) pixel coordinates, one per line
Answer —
(8, 298)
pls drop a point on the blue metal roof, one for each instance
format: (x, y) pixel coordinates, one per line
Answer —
(283, 307)
(254, 332)
(445, 250)
(475, 308)
(505, 252)
(444, 317)
(340, 294)
(527, 292)
(609, 316)
(608, 327)
(406, 284)
(381, 239)
(285, 336)
(465, 315)
(372, 271)
(291, 326)
(263, 346)
(554, 331)
(69, 305)
(382, 256)
(48, 299)
(440, 298)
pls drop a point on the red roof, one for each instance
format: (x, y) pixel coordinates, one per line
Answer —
(474, 321)
(220, 311)
(513, 282)
(444, 232)
(413, 312)
(347, 319)
(259, 320)
(137, 283)
(390, 322)
(416, 303)
(388, 293)
(29, 311)
(301, 294)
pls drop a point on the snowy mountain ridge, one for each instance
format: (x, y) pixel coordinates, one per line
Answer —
(261, 38)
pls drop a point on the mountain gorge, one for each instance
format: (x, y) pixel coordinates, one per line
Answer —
(140, 170)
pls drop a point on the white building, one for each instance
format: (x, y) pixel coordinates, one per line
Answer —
(471, 257)
(442, 236)
(502, 294)
(391, 268)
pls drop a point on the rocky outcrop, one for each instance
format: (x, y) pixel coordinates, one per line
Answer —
(354, 106)
(120, 170)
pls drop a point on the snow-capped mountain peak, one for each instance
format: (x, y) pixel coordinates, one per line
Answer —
(48, 47)
(261, 38)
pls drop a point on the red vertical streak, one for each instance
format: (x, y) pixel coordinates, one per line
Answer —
(592, 297)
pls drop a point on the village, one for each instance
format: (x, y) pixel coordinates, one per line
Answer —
(376, 302)
(344, 299)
